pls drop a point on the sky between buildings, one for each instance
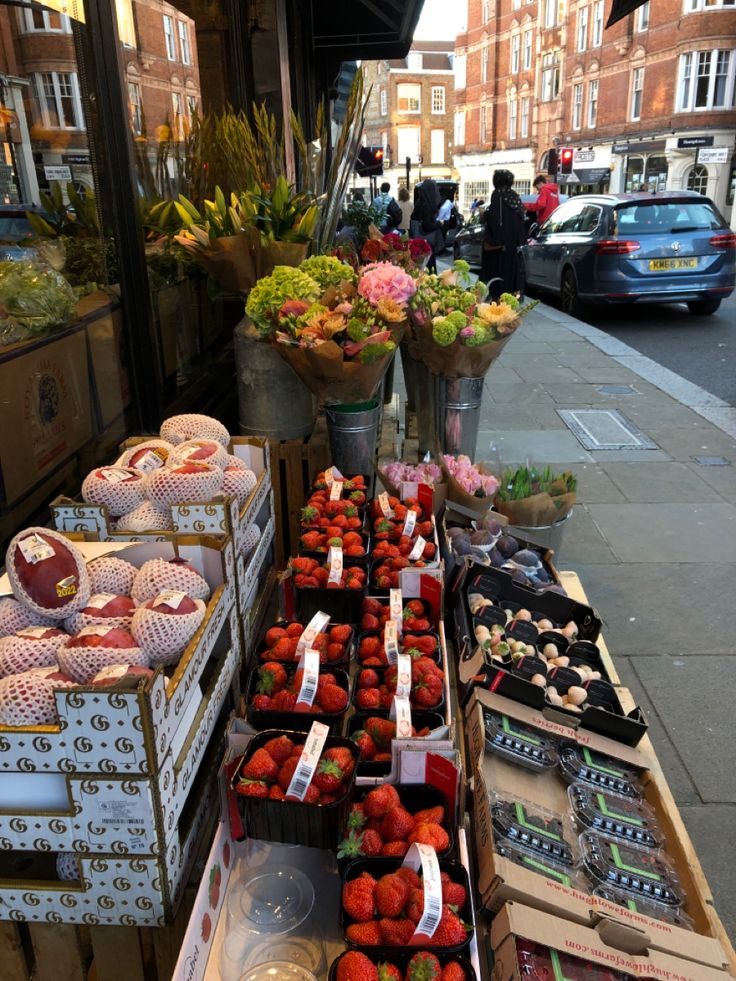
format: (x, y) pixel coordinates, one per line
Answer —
(441, 20)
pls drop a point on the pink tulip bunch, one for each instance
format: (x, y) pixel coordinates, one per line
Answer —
(469, 476)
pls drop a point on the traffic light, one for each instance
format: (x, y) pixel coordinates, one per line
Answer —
(566, 155)
(370, 161)
(552, 162)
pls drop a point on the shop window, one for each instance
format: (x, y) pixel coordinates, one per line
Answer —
(409, 97)
(731, 192)
(598, 13)
(525, 106)
(169, 38)
(513, 118)
(438, 99)
(582, 32)
(655, 173)
(697, 179)
(577, 106)
(186, 57)
(59, 101)
(528, 49)
(593, 103)
(523, 187)
(706, 80)
(409, 142)
(437, 146)
(474, 191)
(634, 179)
(637, 88)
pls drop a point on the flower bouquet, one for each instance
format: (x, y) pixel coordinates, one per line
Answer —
(336, 328)
(532, 498)
(401, 479)
(412, 254)
(469, 484)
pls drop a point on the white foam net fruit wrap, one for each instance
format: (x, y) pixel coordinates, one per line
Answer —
(70, 596)
(111, 575)
(164, 636)
(146, 450)
(146, 517)
(83, 663)
(156, 575)
(176, 429)
(18, 653)
(251, 537)
(165, 487)
(27, 700)
(199, 451)
(239, 484)
(81, 620)
(14, 616)
(106, 485)
(235, 463)
(67, 867)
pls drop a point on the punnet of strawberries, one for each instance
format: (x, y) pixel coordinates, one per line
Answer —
(417, 616)
(402, 548)
(386, 573)
(354, 965)
(385, 910)
(282, 640)
(355, 483)
(266, 772)
(372, 652)
(346, 513)
(276, 689)
(310, 574)
(380, 824)
(398, 509)
(373, 737)
(354, 545)
(375, 688)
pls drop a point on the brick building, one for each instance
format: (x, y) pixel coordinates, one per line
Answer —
(410, 112)
(648, 102)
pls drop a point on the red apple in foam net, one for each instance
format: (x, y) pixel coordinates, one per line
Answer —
(109, 574)
(119, 489)
(97, 647)
(199, 451)
(177, 429)
(157, 575)
(14, 616)
(172, 602)
(164, 625)
(27, 700)
(146, 456)
(103, 608)
(30, 647)
(101, 636)
(239, 483)
(185, 483)
(47, 573)
(121, 674)
(54, 675)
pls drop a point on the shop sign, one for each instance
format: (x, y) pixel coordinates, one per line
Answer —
(713, 155)
(77, 158)
(640, 147)
(57, 173)
(691, 141)
(583, 156)
(592, 175)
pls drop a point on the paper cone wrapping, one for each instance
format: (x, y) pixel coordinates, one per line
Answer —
(456, 493)
(537, 511)
(458, 360)
(237, 262)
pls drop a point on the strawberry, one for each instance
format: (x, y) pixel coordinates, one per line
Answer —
(430, 834)
(379, 801)
(333, 698)
(365, 744)
(283, 701)
(287, 770)
(453, 894)
(451, 931)
(279, 749)
(398, 824)
(430, 815)
(251, 788)
(391, 895)
(354, 966)
(423, 967)
(368, 698)
(382, 731)
(396, 933)
(367, 843)
(356, 817)
(335, 652)
(294, 630)
(415, 904)
(410, 876)
(281, 650)
(341, 633)
(273, 634)
(370, 647)
(427, 644)
(453, 972)
(369, 622)
(372, 842)
(395, 849)
(271, 678)
(261, 766)
(364, 934)
(358, 897)
(372, 606)
(275, 792)
(389, 972)
(310, 540)
(368, 679)
(328, 776)
(261, 703)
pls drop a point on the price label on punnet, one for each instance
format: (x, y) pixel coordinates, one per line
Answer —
(424, 857)
(418, 551)
(335, 490)
(335, 558)
(403, 676)
(409, 523)
(400, 713)
(309, 664)
(308, 761)
(391, 642)
(332, 474)
(386, 508)
(396, 608)
(315, 626)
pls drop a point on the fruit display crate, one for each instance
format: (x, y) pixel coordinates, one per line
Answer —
(220, 516)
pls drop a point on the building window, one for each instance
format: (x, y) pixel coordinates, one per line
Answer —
(528, 47)
(577, 106)
(136, 112)
(177, 106)
(384, 145)
(597, 39)
(485, 13)
(169, 38)
(383, 98)
(550, 76)
(582, 29)
(460, 128)
(483, 124)
(692, 6)
(474, 191)
(39, 20)
(515, 4)
(437, 146)
(697, 179)
(484, 64)
(192, 105)
(593, 103)
(409, 142)
(523, 187)
(550, 13)
(706, 80)
(525, 104)
(515, 53)
(58, 97)
(409, 97)
(184, 43)
(642, 17)
(637, 86)
(438, 98)
(414, 61)
(513, 118)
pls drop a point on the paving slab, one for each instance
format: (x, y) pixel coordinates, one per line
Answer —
(501, 371)
(547, 372)
(585, 393)
(609, 371)
(668, 532)
(711, 829)
(721, 479)
(505, 415)
(583, 542)
(693, 439)
(594, 484)
(547, 446)
(651, 483)
(687, 694)
(502, 389)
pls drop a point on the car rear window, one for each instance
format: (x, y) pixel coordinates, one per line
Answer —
(667, 216)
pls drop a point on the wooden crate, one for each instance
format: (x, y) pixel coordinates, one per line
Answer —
(294, 465)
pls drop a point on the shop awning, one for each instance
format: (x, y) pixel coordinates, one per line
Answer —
(621, 9)
(588, 175)
(365, 29)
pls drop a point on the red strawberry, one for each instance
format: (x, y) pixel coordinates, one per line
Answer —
(423, 967)
(365, 744)
(335, 652)
(358, 898)
(453, 894)
(430, 815)
(410, 877)
(283, 701)
(294, 630)
(341, 633)
(379, 801)
(453, 972)
(415, 904)
(368, 698)
(281, 650)
(396, 933)
(328, 776)
(251, 788)
(273, 634)
(451, 931)
(271, 678)
(391, 895)
(287, 771)
(354, 966)
(364, 934)
(395, 849)
(261, 766)
(279, 749)
(430, 834)
(333, 698)
(382, 731)
(368, 679)
(389, 972)
(262, 703)
(398, 824)
(369, 622)
(275, 792)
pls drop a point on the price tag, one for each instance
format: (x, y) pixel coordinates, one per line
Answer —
(315, 626)
(308, 761)
(149, 461)
(334, 557)
(94, 631)
(403, 675)
(409, 523)
(114, 476)
(332, 474)
(425, 857)
(35, 549)
(418, 550)
(191, 450)
(400, 712)
(170, 597)
(309, 664)
(396, 609)
(335, 490)
(100, 599)
(386, 508)
(35, 633)
(391, 642)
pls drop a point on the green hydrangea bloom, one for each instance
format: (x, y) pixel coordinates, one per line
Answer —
(510, 300)
(372, 352)
(358, 330)
(480, 336)
(328, 271)
(445, 331)
(268, 294)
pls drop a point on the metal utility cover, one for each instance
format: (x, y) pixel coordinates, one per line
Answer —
(605, 429)
(712, 461)
(615, 389)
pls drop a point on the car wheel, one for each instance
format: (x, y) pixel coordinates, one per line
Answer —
(569, 295)
(703, 307)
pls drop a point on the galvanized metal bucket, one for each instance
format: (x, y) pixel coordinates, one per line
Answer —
(411, 371)
(353, 432)
(546, 536)
(458, 405)
(272, 399)
(426, 402)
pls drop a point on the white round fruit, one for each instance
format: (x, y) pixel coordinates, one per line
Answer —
(199, 451)
(30, 647)
(27, 700)
(177, 429)
(187, 483)
(95, 648)
(110, 574)
(146, 517)
(146, 456)
(107, 609)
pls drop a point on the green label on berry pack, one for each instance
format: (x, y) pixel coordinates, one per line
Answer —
(633, 869)
(546, 870)
(554, 957)
(522, 820)
(587, 756)
(524, 736)
(616, 815)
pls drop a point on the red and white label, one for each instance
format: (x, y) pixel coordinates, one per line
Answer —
(396, 608)
(94, 631)
(335, 559)
(403, 675)
(315, 626)
(308, 761)
(384, 505)
(35, 549)
(149, 461)
(114, 476)
(409, 523)
(400, 712)
(425, 857)
(99, 600)
(188, 451)
(170, 597)
(332, 474)
(391, 642)
(335, 490)
(309, 664)
(418, 550)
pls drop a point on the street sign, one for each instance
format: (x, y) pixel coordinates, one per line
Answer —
(584, 156)
(57, 173)
(713, 155)
(691, 141)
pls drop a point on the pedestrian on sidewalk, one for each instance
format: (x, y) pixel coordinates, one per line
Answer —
(424, 223)
(388, 208)
(504, 234)
(406, 206)
(548, 198)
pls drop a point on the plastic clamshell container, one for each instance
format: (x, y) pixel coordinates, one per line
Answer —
(298, 721)
(383, 866)
(439, 707)
(289, 821)
(568, 877)
(518, 743)
(436, 655)
(321, 556)
(577, 763)
(537, 961)
(617, 817)
(668, 914)
(633, 871)
(401, 960)
(526, 826)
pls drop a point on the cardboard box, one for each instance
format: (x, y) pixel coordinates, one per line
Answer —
(500, 880)
(605, 945)
(46, 411)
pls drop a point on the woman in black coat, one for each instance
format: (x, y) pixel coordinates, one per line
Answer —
(424, 222)
(505, 231)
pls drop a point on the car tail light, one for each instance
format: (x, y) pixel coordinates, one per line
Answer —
(616, 246)
(727, 241)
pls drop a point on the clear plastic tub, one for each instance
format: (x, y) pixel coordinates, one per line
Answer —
(596, 770)
(614, 816)
(518, 743)
(633, 871)
(278, 971)
(568, 877)
(668, 914)
(533, 830)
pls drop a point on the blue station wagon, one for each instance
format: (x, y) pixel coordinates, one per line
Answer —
(668, 247)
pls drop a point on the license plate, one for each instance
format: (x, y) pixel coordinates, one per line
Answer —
(661, 265)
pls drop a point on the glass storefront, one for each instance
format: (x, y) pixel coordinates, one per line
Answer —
(646, 172)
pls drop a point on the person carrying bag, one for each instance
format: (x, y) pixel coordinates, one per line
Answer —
(504, 233)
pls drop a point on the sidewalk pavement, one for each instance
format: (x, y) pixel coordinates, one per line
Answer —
(653, 539)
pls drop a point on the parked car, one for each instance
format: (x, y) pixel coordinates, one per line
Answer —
(468, 244)
(648, 247)
(14, 224)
